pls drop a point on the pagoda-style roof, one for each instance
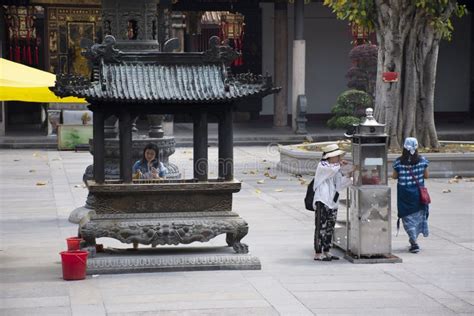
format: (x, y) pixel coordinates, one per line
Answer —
(162, 77)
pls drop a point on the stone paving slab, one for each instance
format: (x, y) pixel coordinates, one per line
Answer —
(33, 227)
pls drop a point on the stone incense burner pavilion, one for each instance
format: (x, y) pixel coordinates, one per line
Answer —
(163, 212)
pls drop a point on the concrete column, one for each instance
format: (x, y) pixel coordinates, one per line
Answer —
(280, 105)
(299, 55)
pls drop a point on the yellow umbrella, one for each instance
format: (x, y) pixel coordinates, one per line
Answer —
(22, 83)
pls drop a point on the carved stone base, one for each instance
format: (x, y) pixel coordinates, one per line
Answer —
(388, 258)
(118, 261)
(165, 228)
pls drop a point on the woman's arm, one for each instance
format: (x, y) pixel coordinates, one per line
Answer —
(323, 172)
(395, 174)
(136, 166)
(426, 174)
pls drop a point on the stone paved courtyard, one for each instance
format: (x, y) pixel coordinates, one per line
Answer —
(38, 190)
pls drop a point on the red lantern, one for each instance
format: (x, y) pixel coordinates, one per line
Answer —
(360, 34)
(232, 29)
(390, 76)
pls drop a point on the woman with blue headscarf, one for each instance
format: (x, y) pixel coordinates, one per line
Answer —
(410, 169)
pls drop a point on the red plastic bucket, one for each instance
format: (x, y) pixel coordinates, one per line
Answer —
(73, 243)
(74, 264)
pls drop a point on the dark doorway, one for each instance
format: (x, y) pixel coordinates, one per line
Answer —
(24, 117)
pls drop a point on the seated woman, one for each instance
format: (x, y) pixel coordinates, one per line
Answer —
(149, 167)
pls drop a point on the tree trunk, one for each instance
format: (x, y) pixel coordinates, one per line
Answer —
(427, 59)
(408, 44)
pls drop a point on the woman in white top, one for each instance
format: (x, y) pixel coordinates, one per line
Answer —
(328, 181)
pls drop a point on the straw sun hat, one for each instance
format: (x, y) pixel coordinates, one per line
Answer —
(332, 150)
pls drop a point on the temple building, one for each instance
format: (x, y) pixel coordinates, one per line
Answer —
(51, 34)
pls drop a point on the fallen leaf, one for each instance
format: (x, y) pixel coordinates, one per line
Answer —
(446, 191)
(273, 177)
(258, 191)
(16, 159)
(266, 174)
(32, 170)
(451, 181)
(39, 183)
(457, 177)
(252, 172)
(278, 190)
(244, 172)
(261, 181)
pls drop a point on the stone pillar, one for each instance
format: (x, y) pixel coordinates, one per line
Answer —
(53, 122)
(299, 55)
(110, 129)
(125, 140)
(156, 126)
(280, 107)
(226, 145)
(99, 147)
(200, 146)
(178, 27)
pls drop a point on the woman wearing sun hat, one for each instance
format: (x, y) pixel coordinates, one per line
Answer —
(328, 182)
(411, 170)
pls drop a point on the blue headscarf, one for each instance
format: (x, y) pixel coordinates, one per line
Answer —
(411, 144)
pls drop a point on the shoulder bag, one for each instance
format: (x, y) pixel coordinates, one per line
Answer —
(424, 195)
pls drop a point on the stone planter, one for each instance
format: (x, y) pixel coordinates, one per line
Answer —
(442, 165)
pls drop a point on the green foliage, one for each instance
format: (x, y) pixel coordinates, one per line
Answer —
(73, 139)
(349, 108)
(364, 13)
(360, 12)
(342, 121)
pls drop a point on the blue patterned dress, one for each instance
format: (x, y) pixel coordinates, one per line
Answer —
(414, 215)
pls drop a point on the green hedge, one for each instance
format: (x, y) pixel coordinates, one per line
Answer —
(349, 108)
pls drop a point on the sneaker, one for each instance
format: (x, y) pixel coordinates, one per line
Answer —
(414, 248)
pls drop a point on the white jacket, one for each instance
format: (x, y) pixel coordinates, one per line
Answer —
(328, 180)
